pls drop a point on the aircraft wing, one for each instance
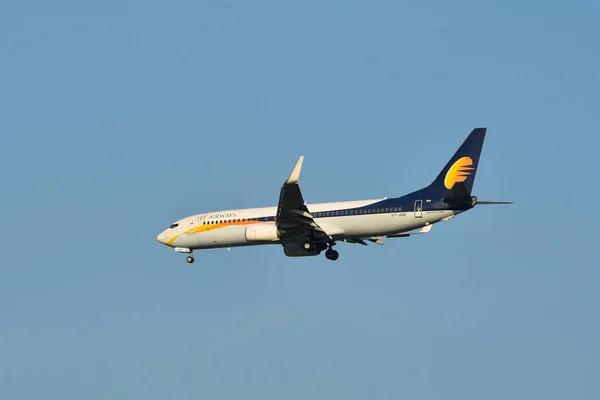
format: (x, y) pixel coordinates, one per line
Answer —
(293, 217)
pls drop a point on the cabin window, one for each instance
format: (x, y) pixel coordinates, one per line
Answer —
(351, 212)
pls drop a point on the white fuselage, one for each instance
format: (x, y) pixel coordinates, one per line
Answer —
(230, 228)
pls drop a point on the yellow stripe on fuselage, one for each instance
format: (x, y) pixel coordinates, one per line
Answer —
(210, 227)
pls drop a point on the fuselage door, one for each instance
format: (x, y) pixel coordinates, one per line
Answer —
(419, 209)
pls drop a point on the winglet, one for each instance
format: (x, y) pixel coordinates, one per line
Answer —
(295, 175)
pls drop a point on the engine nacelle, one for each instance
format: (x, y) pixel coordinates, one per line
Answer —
(298, 250)
(261, 233)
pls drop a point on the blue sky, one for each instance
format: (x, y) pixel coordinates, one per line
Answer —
(118, 118)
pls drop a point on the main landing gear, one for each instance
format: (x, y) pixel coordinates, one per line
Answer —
(189, 259)
(331, 254)
(317, 247)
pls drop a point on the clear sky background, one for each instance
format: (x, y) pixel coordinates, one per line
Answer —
(119, 117)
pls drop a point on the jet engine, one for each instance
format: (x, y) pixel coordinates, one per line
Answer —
(298, 250)
(261, 233)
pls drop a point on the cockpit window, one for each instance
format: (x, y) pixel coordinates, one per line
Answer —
(173, 226)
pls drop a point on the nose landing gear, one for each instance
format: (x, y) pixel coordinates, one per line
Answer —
(187, 251)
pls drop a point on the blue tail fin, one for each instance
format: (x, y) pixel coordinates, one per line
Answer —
(462, 167)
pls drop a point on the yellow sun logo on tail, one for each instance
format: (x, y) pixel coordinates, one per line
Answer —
(459, 171)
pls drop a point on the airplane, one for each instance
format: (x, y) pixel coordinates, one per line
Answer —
(308, 229)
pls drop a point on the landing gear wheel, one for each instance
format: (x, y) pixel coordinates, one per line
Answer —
(332, 255)
(308, 246)
(190, 259)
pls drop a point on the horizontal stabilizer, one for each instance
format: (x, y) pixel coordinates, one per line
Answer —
(424, 229)
(378, 239)
(494, 202)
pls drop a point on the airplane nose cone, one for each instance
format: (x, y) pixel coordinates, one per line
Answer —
(162, 237)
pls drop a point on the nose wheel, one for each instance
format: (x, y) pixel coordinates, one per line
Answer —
(189, 259)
